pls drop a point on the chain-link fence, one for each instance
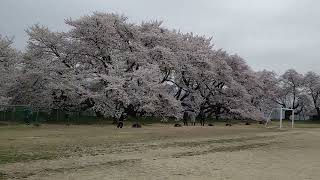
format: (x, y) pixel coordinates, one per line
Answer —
(28, 114)
(13, 113)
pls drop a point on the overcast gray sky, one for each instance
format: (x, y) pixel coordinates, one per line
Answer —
(269, 34)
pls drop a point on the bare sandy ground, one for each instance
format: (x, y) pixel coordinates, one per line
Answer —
(163, 152)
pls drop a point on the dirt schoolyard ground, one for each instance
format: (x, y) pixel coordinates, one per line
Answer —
(159, 152)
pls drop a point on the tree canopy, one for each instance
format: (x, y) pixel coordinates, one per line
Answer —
(112, 66)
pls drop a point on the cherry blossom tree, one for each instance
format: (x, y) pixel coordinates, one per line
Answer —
(101, 60)
(290, 92)
(312, 88)
(46, 72)
(269, 85)
(9, 67)
(112, 66)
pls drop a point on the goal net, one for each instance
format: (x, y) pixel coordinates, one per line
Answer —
(276, 118)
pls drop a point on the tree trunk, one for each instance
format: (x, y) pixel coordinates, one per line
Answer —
(131, 111)
(318, 112)
(287, 115)
(99, 115)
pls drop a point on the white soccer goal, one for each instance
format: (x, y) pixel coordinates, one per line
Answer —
(281, 116)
